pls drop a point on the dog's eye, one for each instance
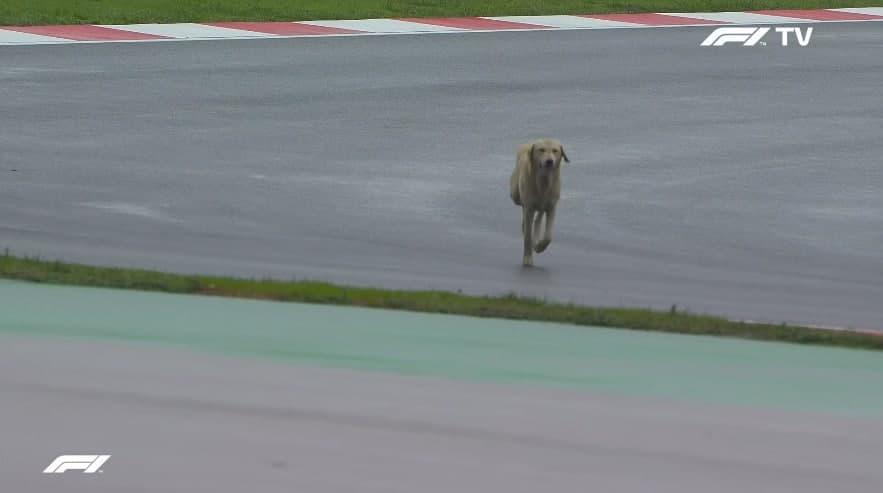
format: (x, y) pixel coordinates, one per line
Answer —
(555, 151)
(541, 149)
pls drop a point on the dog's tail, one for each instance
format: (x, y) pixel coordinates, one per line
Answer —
(514, 193)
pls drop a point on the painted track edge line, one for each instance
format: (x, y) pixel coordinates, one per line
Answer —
(758, 18)
(62, 41)
(353, 35)
(252, 36)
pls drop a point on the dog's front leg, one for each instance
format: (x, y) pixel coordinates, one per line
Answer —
(547, 237)
(527, 229)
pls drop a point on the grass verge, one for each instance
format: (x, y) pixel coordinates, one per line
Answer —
(505, 307)
(31, 12)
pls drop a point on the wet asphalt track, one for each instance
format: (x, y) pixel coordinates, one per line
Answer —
(742, 182)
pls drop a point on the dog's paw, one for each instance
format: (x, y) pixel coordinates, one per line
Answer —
(527, 261)
(542, 245)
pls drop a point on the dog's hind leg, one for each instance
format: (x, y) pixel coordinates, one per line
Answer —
(527, 232)
(547, 237)
(537, 227)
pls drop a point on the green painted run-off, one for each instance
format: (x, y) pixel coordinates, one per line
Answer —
(619, 361)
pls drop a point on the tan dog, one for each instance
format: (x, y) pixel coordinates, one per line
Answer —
(535, 185)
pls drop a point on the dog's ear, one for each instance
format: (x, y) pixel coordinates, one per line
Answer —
(530, 154)
(564, 155)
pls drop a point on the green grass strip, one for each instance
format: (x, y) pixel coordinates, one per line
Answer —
(504, 307)
(30, 12)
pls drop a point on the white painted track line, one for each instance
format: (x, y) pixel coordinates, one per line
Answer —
(741, 17)
(383, 26)
(564, 21)
(865, 10)
(16, 37)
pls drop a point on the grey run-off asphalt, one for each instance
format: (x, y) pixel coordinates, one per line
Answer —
(741, 182)
(190, 392)
(176, 421)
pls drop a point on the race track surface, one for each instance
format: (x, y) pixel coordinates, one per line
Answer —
(188, 392)
(738, 181)
(175, 422)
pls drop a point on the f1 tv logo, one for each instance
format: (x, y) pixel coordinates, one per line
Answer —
(750, 36)
(87, 463)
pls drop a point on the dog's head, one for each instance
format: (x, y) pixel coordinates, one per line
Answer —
(546, 155)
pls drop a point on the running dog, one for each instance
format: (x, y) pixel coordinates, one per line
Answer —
(535, 186)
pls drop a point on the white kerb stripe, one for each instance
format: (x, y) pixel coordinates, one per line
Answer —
(741, 17)
(862, 10)
(565, 21)
(15, 37)
(382, 26)
(189, 30)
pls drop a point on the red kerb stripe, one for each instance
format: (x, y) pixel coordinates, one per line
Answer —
(83, 32)
(281, 28)
(652, 19)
